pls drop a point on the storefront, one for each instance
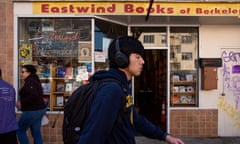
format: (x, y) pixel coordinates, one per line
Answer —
(178, 90)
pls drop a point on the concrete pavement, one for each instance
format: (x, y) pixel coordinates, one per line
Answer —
(198, 140)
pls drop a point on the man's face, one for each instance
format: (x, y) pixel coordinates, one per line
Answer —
(135, 64)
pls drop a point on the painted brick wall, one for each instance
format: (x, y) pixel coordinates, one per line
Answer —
(6, 40)
(194, 123)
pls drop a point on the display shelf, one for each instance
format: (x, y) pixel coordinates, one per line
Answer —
(183, 90)
(57, 89)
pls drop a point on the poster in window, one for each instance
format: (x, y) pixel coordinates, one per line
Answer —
(25, 53)
(84, 51)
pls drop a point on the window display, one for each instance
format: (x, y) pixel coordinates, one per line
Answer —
(183, 54)
(61, 50)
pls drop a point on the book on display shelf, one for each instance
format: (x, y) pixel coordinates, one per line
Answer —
(175, 99)
(183, 99)
(175, 89)
(189, 77)
(47, 72)
(60, 87)
(191, 99)
(69, 87)
(60, 100)
(61, 71)
(46, 88)
(69, 72)
(182, 89)
(190, 89)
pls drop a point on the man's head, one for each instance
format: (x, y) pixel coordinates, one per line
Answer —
(126, 53)
(120, 49)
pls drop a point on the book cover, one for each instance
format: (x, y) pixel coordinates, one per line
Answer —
(175, 99)
(190, 99)
(60, 87)
(46, 88)
(176, 78)
(190, 89)
(47, 72)
(69, 87)
(59, 101)
(182, 89)
(69, 72)
(61, 71)
(189, 77)
(183, 99)
(82, 73)
(175, 89)
(84, 51)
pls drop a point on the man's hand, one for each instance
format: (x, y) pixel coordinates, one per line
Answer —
(173, 140)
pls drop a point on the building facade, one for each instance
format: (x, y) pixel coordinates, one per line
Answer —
(190, 84)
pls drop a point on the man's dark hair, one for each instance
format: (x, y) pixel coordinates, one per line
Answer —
(126, 45)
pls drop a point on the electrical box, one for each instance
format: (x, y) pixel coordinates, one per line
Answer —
(209, 72)
(209, 78)
(210, 62)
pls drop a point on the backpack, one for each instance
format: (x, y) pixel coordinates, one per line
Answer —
(77, 108)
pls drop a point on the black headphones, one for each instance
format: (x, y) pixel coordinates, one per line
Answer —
(121, 59)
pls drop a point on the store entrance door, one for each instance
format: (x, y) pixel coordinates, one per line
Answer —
(151, 87)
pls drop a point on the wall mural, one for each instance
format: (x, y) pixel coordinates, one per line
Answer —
(229, 101)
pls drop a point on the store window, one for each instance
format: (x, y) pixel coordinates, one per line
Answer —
(105, 32)
(61, 50)
(183, 55)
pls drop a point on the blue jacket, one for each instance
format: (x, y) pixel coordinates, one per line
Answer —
(113, 118)
(8, 121)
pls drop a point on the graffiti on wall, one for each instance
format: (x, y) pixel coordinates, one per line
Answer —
(230, 73)
(230, 111)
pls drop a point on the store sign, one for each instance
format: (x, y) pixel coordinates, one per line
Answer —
(138, 8)
(56, 44)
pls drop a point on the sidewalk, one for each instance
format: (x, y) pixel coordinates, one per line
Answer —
(205, 140)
